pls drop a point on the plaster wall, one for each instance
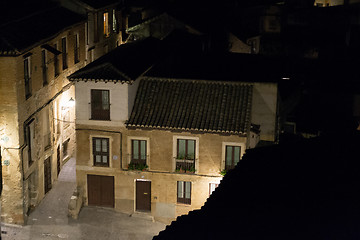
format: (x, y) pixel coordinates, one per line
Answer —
(164, 207)
(118, 103)
(264, 109)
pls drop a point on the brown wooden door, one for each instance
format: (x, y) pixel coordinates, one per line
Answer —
(100, 190)
(143, 195)
(58, 159)
(47, 174)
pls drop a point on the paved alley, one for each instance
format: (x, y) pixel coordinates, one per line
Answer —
(50, 221)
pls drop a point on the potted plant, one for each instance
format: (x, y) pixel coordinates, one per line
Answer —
(223, 172)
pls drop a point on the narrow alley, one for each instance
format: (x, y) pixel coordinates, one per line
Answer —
(50, 221)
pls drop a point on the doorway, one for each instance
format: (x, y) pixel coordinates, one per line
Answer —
(47, 174)
(100, 190)
(143, 195)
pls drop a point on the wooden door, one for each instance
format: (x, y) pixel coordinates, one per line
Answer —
(100, 190)
(47, 174)
(58, 159)
(143, 195)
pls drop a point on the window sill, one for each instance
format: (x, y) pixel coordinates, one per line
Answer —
(99, 119)
(183, 204)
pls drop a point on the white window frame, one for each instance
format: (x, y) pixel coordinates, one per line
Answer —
(175, 138)
(242, 146)
(129, 139)
(91, 157)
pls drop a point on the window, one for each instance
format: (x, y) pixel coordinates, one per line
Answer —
(106, 24)
(114, 25)
(232, 156)
(27, 77)
(30, 135)
(46, 129)
(184, 192)
(185, 156)
(65, 146)
(56, 63)
(44, 67)
(76, 49)
(138, 152)
(212, 187)
(100, 104)
(64, 53)
(101, 152)
(96, 28)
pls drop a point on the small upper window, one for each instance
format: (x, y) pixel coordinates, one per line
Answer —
(44, 67)
(100, 104)
(56, 63)
(27, 77)
(64, 53)
(76, 49)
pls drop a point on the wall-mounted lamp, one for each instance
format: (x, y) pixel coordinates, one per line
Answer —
(69, 104)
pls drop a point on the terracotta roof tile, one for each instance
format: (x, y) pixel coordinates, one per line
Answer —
(206, 106)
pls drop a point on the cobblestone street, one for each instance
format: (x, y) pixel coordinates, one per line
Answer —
(50, 221)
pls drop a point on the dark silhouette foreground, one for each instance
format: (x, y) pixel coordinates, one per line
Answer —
(299, 189)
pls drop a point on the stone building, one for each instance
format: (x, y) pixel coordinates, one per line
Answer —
(155, 139)
(37, 52)
(105, 25)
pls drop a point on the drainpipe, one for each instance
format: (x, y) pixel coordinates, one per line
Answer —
(108, 131)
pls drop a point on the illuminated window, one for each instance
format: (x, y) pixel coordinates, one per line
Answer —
(101, 151)
(106, 24)
(184, 192)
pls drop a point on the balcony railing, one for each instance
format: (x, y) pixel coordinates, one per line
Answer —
(138, 164)
(185, 165)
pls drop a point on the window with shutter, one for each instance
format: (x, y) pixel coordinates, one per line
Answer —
(184, 192)
(101, 151)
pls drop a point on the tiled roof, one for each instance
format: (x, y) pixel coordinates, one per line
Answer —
(205, 106)
(20, 35)
(123, 64)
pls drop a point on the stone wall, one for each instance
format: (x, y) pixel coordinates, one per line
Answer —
(164, 207)
(52, 122)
